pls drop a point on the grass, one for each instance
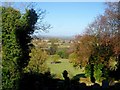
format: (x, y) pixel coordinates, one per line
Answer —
(58, 68)
(73, 73)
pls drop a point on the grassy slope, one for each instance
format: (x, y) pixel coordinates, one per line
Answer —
(57, 69)
(60, 67)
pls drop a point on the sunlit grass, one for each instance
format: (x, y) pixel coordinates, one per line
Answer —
(58, 68)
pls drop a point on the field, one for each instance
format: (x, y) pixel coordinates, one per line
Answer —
(58, 68)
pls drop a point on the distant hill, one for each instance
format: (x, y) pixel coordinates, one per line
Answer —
(59, 37)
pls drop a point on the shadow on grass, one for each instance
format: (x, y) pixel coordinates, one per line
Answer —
(38, 81)
(56, 62)
(78, 76)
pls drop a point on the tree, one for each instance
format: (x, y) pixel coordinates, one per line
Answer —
(83, 48)
(53, 47)
(73, 59)
(11, 51)
(106, 29)
(55, 58)
(37, 61)
(16, 42)
(63, 53)
(100, 43)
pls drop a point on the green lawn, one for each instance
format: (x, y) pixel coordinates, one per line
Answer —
(58, 68)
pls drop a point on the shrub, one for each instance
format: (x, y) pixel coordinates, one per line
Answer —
(62, 54)
(88, 70)
(37, 61)
(98, 71)
(55, 58)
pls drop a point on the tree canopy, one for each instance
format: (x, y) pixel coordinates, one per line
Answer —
(99, 46)
(17, 29)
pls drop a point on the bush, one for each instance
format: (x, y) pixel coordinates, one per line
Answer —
(55, 58)
(63, 53)
(88, 70)
(73, 57)
(98, 71)
(53, 48)
(37, 61)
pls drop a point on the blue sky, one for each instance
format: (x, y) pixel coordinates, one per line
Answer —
(68, 18)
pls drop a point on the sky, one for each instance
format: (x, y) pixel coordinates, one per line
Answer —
(68, 18)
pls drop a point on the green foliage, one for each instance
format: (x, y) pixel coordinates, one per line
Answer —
(16, 31)
(63, 53)
(26, 26)
(55, 58)
(37, 61)
(100, 58)
(53, 48)
(113, 64)
(98, 71)
(105, 72)
(88, 70)
(100, 42)
(11, 51)
(73, 59)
